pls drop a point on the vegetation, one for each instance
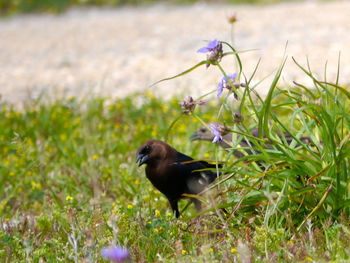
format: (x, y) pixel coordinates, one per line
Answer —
(69, 185)
(57, 6)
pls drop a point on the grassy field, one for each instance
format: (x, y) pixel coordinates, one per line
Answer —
(69, 185)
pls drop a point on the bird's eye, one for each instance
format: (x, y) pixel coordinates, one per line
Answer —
(147, 149)
(203, 129)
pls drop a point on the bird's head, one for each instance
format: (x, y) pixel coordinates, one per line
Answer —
(152, 151)
(203, 134)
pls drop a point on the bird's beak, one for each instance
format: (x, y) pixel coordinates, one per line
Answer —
(195, 137)
(141, 158)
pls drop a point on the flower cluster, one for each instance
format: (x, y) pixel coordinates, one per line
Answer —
(218, 130)
(189, 104)
(214, 50)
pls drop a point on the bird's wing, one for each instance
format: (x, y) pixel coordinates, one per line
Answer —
(194, 173)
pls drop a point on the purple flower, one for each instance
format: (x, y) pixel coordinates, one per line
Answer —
(214, 48)
(216, 129)
(189, 104)
(210, 47)
(224, 83)
(115, 254)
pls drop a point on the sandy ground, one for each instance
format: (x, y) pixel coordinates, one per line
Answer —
(115, 52)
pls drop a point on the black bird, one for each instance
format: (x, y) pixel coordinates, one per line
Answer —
(174, 173)
(204, 134)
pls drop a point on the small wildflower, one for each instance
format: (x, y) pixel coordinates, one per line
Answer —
(182, 128)
(206, 155)
(218, 130)
(214, 48)
(69, 198)
(149, 222)
(130, 206)
(63, 137)
(95, 157)
(12, 173)
(232, 18)
(183, 252)
(169, 214)
(233, 250)
(290, 242)
(156, 230)
(309, 259)
(157, 213)
(189, 104)
(137, 182)
(225, 83)
(211, 250)
(115, 254)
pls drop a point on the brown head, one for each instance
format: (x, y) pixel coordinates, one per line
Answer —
(203, 134)
(154, 151)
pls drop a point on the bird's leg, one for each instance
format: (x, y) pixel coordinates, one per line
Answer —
(173, 204)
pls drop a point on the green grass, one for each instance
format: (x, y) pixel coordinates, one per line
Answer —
(9, 7)
(69, 186)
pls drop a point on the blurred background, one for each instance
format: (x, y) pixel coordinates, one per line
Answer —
(118, 47)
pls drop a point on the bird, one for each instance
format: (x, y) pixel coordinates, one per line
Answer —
(174, 173)
(204, 134)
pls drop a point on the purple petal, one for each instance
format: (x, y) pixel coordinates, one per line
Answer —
(116, 254)
(201, 102)
(216, 139)
(203, 50)
(212, 44)
(220, 89)
(214, 130)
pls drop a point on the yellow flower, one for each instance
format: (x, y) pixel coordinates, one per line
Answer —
(20, 190)
(233, 250)
(130, 206)
(113, 205)
(156, 230)
(69, 198)
(184, 252)
(290, 242)
(157, 213)
(169, 214)
(95, 157)
(182, 128)
(35, 185)
(211, 250)
(137, 182)
(149, 222)
(309, 259)
(63, 137)
(165, 108)
(149, 94)
(71, 98)
(12, 173)
(153, 133)
(117, 126)
(206, 155)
